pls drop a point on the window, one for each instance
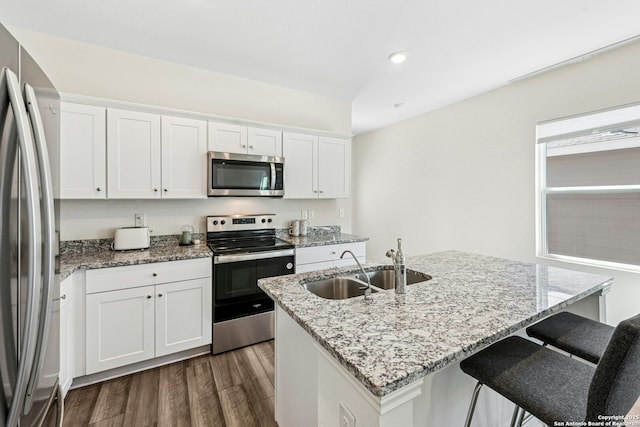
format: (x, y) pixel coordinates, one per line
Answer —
(588, 188)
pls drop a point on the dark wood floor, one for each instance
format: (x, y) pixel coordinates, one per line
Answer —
(230, 389)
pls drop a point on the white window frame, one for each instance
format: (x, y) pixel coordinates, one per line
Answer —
(618, 117)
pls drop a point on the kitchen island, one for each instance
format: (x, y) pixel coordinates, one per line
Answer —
(391, 362)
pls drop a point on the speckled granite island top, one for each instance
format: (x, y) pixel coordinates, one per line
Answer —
(471, 301)
(103, 258)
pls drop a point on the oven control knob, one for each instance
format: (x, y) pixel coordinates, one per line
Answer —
(289, 266)
(264, 220)
(269, 220)
(215, 222)
(223, 222)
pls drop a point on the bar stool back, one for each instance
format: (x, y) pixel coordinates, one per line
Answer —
(615, 385)
(553, 387)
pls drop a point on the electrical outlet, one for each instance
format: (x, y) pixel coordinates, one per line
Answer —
(347, 419)
(305, 215)
(341, 213)
(311, 214)
(140, 219)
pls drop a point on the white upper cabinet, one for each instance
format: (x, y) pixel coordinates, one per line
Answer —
(230, 138)
(152, 156)
(133, 155)
(316, 167)
(83, 152)
(334, 167)
(184, 158)
(227, 138)
(300, 173)
(264, 142)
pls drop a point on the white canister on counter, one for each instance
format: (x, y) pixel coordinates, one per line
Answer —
(294, 228)
(304, 227)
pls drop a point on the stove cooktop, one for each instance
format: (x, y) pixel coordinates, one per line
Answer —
(248, 244)
(243, 233)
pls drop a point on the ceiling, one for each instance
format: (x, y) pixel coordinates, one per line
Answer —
(339, 48)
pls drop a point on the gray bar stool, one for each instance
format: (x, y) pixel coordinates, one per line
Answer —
(574, 334)
(553, 387)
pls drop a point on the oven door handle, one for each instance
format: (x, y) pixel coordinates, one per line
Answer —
(223, 259)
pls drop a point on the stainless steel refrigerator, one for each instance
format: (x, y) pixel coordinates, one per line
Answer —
(29, 285)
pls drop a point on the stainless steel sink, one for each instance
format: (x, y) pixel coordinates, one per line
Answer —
(352, 286)
(337, 288)
(385, 279)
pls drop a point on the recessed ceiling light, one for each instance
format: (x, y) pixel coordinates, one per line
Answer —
(398, 105)
(398, 57)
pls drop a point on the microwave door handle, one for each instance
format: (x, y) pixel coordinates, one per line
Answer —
(273, 175)
(48, 237)
(32, 213)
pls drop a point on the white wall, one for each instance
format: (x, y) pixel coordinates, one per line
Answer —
(91, 70)
(462, 177)
(86, 69)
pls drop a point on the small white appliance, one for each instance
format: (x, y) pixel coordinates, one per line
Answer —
(131, 238)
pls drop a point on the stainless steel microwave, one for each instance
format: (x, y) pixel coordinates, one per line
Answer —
(245, 175)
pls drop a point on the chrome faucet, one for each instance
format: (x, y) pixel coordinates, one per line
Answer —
(399, 267)
(367, 290)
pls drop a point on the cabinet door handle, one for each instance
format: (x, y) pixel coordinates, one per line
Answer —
(155, 274)
(251, 147)
(165, 190)
(333, 252)
(315, 191)
(160, 295)
(155, 189)
(98, 189)
(148, 296)
(320, 191)
(63, 296)
(244, 145)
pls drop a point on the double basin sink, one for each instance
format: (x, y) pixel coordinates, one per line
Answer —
(354, 285)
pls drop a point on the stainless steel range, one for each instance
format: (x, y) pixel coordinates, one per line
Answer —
(245, 249)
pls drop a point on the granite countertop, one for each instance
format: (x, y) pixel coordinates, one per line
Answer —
(99, 256)
(320, 236)
(323, 239)
(90, 254)
(471, 301)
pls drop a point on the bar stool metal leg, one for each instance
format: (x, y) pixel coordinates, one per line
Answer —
(472, 406)
(514, 417)
(520, 418)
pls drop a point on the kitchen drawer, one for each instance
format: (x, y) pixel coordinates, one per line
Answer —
(314, 254)
(303, 268)
(131, 276)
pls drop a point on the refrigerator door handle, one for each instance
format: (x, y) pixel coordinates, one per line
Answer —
(46, 187)
(30, 179)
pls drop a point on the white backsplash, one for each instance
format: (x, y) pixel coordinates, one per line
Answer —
(97, 219)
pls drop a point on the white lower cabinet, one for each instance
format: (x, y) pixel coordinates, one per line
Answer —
(136, 313)
(120, 328)
(66, 334)
(328, 256)
(181, 319)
